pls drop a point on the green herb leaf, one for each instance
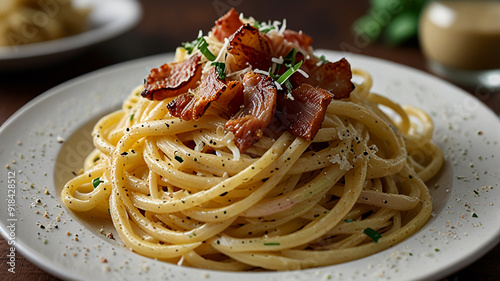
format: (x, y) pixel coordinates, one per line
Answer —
(348, 220)
(257, 24)
(323, 59)
(131, 117)
(178, 158)
(203, 47)
(289, 59)
(373, 234)
(221, 69)
(289, 73)
(263, 28)
(272, 244)
(271, 74)
(96, 182)
(266, 29)
(288, 86)
(190, 46)
(474, 215)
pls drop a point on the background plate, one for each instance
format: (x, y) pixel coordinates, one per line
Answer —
(107, 19)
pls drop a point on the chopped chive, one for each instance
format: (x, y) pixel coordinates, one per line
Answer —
(348, 220)
(203, 47)
(263, 28)
(221, 69)
(288, 86)
(272, 244)
(323, 59)
(271, 74)
(474, 215)
(266, 29)
(96, 182)
(131, 117)
(373, 234)
(189, 46)
(289, 73)
(289, 59)
(178, 158)
(201, 44)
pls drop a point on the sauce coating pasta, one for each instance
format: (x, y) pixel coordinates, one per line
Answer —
(184, 191)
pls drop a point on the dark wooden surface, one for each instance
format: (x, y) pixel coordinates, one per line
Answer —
(166, 24)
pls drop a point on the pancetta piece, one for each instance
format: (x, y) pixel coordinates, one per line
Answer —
(303, 115)
(172, 79)
(226, 97)
(231, 100)
(193, 105)
(259, 107)
(227, 25)
(248, 46)
(334, 77)
(299, 39)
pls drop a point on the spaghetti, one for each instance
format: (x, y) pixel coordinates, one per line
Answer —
(184, 192)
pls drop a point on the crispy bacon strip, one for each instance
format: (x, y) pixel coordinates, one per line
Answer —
(334, 77)
(193, 105)
(260, 104)
(248, 47)
(300, 39)
(173, 79)
(231, 100)
(227, 25)
(303, 115)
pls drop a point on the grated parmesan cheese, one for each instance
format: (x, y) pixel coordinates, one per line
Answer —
(303, 73)
(261, 71)
(279, 60)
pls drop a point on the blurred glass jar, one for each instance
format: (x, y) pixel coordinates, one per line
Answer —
(461, 40)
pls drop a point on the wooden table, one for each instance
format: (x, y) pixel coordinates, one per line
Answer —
(165, 25)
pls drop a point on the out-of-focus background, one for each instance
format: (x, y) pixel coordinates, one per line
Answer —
(357, 26)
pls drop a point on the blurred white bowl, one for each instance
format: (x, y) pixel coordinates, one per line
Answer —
(108, 19)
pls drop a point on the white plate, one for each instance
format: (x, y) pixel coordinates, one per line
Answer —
(107, 19)
(466, 130)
